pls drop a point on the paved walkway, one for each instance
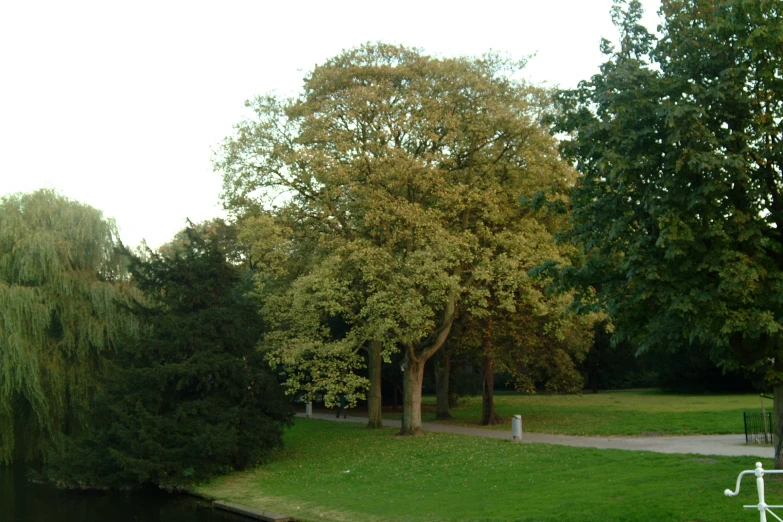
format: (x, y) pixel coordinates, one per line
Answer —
(726, 445)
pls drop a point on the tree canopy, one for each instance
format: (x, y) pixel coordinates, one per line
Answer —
(387, 196)
(192, 397)
(679, 206)
(63, 288)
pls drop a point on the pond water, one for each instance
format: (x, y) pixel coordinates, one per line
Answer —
(23, 501)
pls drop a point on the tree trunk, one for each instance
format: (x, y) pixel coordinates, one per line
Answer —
(777, 424)
(442, 369)
(488, 415)
(374, 366)
(413, 364)
(413, 375)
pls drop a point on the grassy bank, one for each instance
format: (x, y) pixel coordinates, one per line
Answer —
(644, 412)
(344, 472)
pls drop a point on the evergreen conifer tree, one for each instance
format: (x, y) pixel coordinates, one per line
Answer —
(192, 398)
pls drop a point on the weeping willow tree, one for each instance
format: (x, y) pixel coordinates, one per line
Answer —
(62, 285)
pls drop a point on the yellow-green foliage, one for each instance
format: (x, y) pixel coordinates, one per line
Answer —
(387, 196)
(60, 281)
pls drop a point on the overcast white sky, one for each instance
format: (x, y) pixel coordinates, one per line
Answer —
(119, 104)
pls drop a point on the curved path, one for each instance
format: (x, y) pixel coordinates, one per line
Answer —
(726, 445)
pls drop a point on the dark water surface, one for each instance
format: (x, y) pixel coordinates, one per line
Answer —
(23, 501)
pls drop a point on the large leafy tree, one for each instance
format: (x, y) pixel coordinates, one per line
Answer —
(191, 397)
(399, 175)
(679, 206)
(62, 290)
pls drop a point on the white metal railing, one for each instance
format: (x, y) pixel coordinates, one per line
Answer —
(762, 506)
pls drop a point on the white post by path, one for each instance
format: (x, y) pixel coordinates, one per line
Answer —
(309, 410)
(516, 428)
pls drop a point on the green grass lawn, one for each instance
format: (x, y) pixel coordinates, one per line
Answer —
(344, 472)
(609, 413)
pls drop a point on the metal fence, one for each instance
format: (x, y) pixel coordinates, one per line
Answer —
(758, 427)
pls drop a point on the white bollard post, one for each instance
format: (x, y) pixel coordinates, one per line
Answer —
(309, 410)
(760, 486)
(516, 428)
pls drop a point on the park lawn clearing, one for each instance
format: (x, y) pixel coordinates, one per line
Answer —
(637, 412)
(345, 472)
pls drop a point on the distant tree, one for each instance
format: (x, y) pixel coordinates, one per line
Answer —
(680, 203)
(403, 173)
(545, 354)
(538, 347)
(192, 397)
(224, 236)
(63, 288)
